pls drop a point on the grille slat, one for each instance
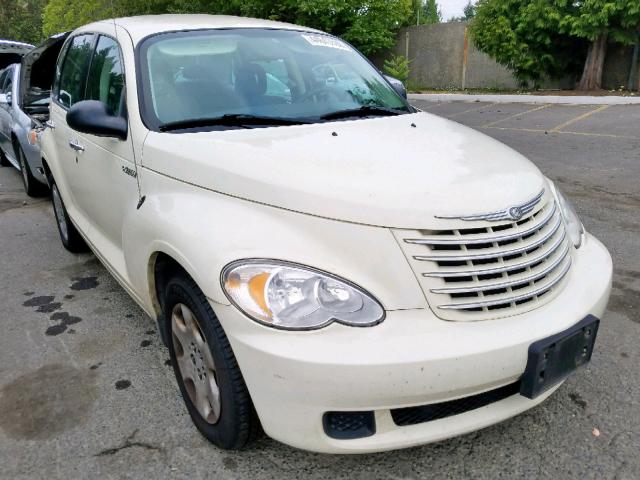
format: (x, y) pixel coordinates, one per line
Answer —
(496, 252)
(507, 266)
(479, 270)
(476, 287)
(507, 298)
(482, 238)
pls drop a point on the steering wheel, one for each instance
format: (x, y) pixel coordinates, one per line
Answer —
(317, 91)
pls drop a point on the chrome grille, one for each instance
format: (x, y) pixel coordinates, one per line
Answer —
(494, 270)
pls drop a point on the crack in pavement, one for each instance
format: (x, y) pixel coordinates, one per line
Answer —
(129, 443)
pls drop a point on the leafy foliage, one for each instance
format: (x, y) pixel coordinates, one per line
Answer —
(590, 18)
(424, 12)
(398, 67)
(21, 20)
(432, 12)
(64, 15)
(549, 38)
(525, 36)
(469, 10)
(369, 24)
(468, 13)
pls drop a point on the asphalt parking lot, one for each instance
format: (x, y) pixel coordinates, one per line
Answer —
(86, 391)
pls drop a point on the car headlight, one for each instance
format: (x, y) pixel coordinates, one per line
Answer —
(571, 220)
(294, 297)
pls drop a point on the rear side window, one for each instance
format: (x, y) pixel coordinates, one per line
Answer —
(74, 71)
(6, 80)
(106, 78)
(9, 83)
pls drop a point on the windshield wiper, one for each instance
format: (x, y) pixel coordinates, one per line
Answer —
(242, 120)
(365, 111)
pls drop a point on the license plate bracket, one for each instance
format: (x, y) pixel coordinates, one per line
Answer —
(552, 359)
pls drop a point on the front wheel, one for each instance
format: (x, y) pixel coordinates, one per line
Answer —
(69, 235)
(208, 375)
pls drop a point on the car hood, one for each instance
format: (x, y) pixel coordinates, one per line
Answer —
(38, 68)
(401, 171)
(11, 52)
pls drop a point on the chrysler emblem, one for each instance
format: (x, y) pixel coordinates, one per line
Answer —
(514, 213)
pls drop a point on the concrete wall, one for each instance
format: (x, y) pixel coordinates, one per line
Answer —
(443, 56)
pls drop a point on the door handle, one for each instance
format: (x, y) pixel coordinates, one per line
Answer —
(76, 146)
(49, 124)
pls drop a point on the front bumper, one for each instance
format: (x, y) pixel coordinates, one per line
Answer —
(412, 358)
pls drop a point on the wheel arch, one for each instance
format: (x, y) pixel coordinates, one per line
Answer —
(162, 266)
(47, 172)
(15, 143)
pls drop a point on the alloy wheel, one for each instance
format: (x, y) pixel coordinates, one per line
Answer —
(195, 363)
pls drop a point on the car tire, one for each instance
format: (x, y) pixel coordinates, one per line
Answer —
(69, 235)
(32, 187)
(205, 367)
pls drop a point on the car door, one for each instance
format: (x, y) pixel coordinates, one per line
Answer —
(6, 82)
(105, 184)
(68, 89)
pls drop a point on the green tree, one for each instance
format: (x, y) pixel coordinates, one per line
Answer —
(469, 10)
(398, 66)
(64, 15)
(597, 21)
(424, 12)
(526, 36)
(431, 12)
(369, 24)
(468, 13)
(21, 20)
(550, 38)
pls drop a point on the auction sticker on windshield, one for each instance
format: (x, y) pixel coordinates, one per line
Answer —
(325, 41)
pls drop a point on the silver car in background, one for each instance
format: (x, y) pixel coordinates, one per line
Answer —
(25, 111)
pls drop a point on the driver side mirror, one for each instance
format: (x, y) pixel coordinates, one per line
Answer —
(398, 86)
(92, 117)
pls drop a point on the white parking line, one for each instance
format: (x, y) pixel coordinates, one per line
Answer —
(515, 115)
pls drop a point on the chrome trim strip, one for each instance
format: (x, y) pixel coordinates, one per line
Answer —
(462, 240)
(507, 300)
(506, 284)
(495, 254)
(505, 214)
(508, 268)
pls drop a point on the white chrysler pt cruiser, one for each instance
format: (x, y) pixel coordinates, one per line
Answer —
(323, 260)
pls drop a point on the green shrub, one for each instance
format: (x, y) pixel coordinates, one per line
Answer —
(398, 67)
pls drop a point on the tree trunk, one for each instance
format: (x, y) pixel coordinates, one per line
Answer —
(592, 73)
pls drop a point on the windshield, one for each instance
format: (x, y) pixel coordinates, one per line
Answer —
(284, 74)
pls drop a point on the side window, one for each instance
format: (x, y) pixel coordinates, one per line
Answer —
(9, 82)
(74, 71)
(106, 78)
(3, 78)
(56, 77)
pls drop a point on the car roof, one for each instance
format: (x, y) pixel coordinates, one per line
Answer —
(141, 27)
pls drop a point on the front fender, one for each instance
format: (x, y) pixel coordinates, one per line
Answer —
(204, 231)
